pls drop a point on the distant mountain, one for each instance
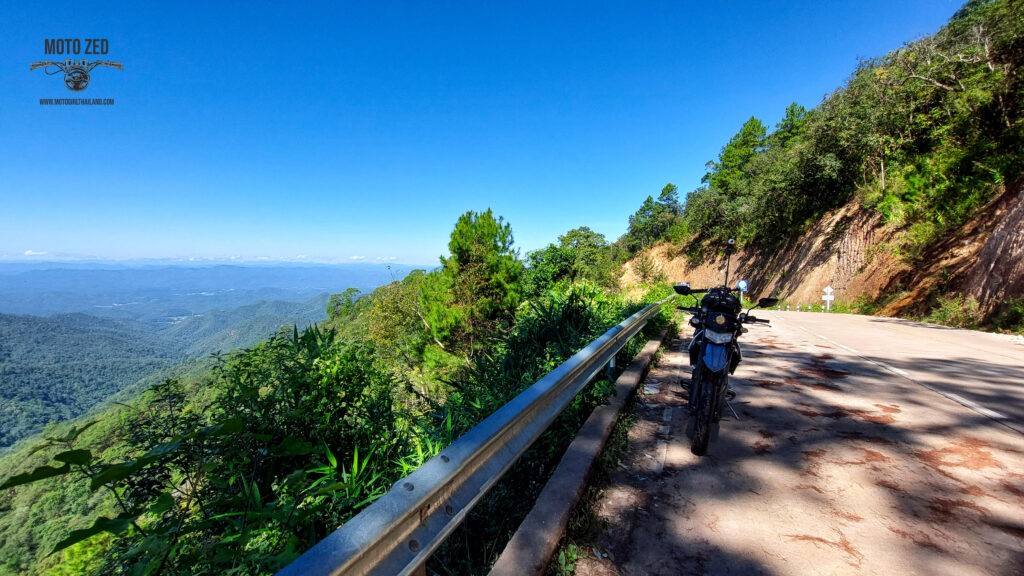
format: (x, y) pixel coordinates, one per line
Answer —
(59, 367)
(225, 330)
(159, 293)
(72, 335)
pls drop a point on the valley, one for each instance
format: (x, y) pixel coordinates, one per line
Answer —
(73, 336)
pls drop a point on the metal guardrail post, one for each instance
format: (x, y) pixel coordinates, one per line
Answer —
(396, 534)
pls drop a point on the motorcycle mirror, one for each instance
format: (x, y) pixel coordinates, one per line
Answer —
(767, 302)
(682, 288)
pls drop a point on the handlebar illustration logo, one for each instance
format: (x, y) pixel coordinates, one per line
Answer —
(76, 71)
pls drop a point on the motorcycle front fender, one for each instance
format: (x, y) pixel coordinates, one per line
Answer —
(716, 356)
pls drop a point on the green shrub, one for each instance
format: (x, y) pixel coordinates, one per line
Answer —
(1009, 316)
(647, 270)
(956, 311)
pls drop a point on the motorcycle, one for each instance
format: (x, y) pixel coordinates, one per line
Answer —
(714, 351)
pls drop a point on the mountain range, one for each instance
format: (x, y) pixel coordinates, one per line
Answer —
(73, 336)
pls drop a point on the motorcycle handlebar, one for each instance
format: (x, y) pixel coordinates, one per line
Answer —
(750, 318)
(705, 290)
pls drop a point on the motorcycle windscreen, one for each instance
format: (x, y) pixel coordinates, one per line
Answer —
(715, 357)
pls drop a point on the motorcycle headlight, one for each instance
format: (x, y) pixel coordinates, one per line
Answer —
(718, 337)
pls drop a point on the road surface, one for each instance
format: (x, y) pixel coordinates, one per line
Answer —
(863, 445)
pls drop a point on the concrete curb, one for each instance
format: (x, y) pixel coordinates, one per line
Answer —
(537, 538)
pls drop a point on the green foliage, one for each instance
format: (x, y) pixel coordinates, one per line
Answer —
(546, 268)
(235, 485)
(581, 255)
(395, 324)
(85, 557)
(57, 368)
(655, 220)
(565, 563)
(342, 305)
(865, 305)
(925, 135)
(647, 270)
(956, 311)
(478, 287)
(591, 256)
(1009, 316)
(241, 469)
(728, 173)
(546, 333)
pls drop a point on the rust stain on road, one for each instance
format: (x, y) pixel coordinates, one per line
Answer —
(854, 557)
(889, 485)
(824, 372)
(767, 383)
(948, 510)
(917, 537)
(836, 412)
(970, 453)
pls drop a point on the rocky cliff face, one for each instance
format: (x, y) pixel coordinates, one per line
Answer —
(996, 273)
(852, 250)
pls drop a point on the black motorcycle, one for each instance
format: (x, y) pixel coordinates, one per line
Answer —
(714, 351)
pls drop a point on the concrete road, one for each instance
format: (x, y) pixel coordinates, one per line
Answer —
(862, 446)
(982, 371)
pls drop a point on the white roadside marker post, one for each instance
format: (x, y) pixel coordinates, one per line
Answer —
(828, 298)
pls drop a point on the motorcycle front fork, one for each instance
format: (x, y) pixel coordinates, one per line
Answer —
(698, 379)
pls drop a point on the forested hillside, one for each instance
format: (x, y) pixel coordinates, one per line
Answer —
(914, 149)
(242, 467)
(56, 368)
(225, 330)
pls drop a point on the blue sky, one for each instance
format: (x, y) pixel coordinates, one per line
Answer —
(344, 131)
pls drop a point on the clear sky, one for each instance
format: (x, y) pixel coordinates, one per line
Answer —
(339, 131)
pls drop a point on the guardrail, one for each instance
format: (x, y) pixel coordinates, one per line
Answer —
(397, 533)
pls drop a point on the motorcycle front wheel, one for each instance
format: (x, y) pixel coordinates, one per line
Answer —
(702, 418)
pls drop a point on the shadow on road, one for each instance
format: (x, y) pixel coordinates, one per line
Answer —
(836, 464)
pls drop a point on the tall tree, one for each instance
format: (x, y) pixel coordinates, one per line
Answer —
(651, 223)
(789, 127)
(342, 305)
(727, 173)
(478, 286)
(590, 255)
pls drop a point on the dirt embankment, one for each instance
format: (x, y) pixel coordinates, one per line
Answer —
(853, 251)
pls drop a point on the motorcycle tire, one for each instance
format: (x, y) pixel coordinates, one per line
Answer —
(702, 419)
